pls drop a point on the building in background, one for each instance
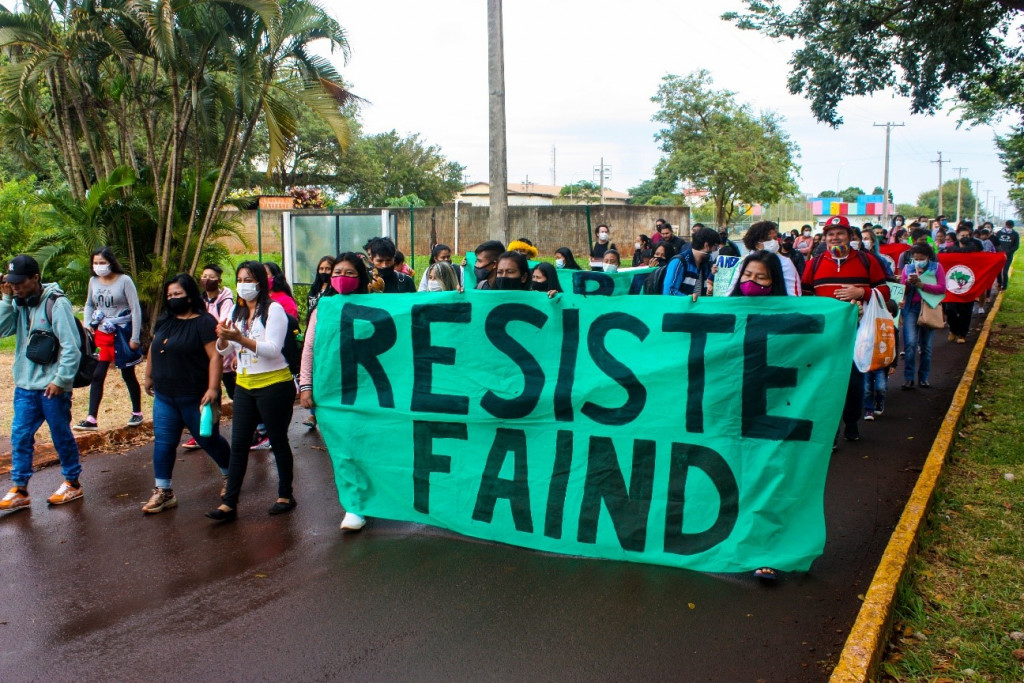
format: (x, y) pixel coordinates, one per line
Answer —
(867, 208)
(535, 194)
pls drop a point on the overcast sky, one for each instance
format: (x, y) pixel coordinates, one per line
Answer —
(579, 75)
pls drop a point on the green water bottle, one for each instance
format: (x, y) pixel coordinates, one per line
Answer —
(206, 420)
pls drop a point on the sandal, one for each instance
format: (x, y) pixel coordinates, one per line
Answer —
(766, 573)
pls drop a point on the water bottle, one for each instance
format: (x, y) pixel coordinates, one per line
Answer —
(206, 420)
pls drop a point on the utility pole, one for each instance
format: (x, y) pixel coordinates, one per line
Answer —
(977, 195)
(940, 162)
(959, 190)
(605, 173)
(885, 178)
(497, 222)
(554, 176)
(988, 211)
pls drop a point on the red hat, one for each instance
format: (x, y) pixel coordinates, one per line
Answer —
(837, 221)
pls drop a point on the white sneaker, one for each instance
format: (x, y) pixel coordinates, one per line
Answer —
(353, 522)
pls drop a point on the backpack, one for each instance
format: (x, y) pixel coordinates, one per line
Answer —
(292, 349)
(655, 283)
(88, 361)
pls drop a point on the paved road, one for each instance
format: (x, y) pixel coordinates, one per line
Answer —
(95, 591)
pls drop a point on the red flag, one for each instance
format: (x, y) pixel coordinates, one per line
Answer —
(970, 275)
(892, 253)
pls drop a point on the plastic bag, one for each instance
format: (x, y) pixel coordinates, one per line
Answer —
(875, 347)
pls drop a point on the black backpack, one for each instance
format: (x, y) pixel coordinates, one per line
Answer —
(655, 283)
(292, 349)
(87, 364)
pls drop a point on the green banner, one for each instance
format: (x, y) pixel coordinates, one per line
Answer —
(651, 429)
(594, 283)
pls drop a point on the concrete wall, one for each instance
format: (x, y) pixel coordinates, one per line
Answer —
(548, 227)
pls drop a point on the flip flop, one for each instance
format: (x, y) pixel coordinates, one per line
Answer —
(766, 573)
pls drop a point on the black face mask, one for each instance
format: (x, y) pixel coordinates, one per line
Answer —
(30, 301)
(179, 305)
(965, 240)
(540, 286)
(509, 284)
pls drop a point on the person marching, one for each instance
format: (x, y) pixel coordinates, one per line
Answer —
(183, 373)
(218, 301)
(926, 286)
(847, 275)
(350, 276)
(42, 390)
(112, 308)
(255, 332)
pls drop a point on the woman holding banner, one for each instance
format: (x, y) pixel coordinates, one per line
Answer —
(760, 275)
(349, 276)
(545, 279)
(255, 332)
(565, 259)
(926, 286)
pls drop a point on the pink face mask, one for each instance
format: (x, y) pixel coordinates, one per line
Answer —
(344, 284)
(751, 288)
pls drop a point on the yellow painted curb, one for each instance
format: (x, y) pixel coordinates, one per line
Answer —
(862, 653)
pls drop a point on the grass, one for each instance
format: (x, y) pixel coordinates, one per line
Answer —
(960, 613)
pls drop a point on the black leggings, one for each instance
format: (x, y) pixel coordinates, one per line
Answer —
(958, 315)
(273, 406)
(96, 388)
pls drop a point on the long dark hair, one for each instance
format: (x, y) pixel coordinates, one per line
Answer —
(319, 279)
(551, 273)
(192, 293)
(438, 248)
(280, 281)
(570, 260)
(262, 302)
(772, 263)
(108, 256)
(360, 265)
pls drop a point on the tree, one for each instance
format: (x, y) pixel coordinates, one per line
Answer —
(1011, 152)
(397, 166)
(581, 192)
(655, 192)
(920, 48)
(166, 90)
(929, 200)
(711, 142)
(881, 190)
(828, 193)
(851, 193)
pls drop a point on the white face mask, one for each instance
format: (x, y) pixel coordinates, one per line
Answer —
(771, 246)
(611, 267)
(602, 236)
(433, 286)
(854, 244)
(807, 233)
(248, 290)
(638, 245)
(102, 271)
(559, 263)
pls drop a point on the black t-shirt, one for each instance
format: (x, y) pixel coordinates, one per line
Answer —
(180, 364)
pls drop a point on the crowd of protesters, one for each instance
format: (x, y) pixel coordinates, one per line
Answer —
(246, 341)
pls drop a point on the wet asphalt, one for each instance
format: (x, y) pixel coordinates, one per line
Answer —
(96, 591)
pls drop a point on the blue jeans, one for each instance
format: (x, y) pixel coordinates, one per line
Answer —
(31, 409)
(914, 337)
(876, 383)
(171, 414)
